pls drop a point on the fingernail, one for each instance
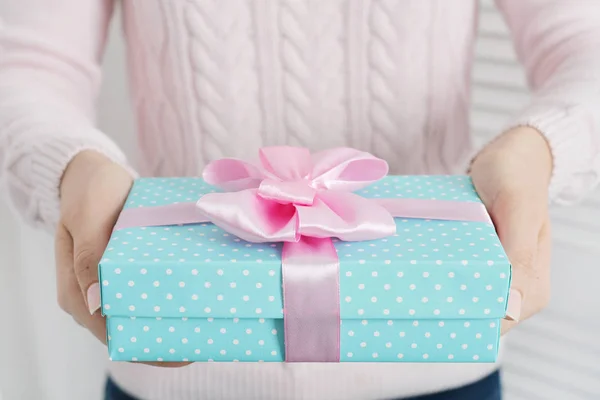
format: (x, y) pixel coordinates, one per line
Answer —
(93, 298)
(513, 309)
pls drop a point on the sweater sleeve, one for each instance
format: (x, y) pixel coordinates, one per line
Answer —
(559, 44)
(49, 77)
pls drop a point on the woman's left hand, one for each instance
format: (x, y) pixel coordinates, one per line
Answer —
(511, 176)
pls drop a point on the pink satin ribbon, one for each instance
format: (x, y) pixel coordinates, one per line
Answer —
(303, 200)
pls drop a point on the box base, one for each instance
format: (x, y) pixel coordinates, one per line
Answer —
(262, 340)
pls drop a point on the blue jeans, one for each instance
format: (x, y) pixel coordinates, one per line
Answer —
(488, 388)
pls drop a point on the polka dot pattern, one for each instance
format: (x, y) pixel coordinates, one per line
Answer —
(430, 270)
(255, 340)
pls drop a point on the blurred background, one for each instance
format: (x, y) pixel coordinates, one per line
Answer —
(44, 355)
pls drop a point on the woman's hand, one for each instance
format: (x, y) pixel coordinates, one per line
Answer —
(93, 190)
(512, 175)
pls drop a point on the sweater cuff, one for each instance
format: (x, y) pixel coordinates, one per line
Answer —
(50, 159)
(575, 157)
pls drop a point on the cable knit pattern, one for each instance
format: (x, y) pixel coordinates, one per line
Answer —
(222, 56)
(398, 120)
(214, 78)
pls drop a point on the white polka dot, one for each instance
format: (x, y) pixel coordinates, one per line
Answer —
(439, 346)
(450, 356)
(453, 335)
(158, 340)
(450, 274)
(118, 295)
(373, 299)
(449, 299)
(492, 325)
(348, 299)
(117, 271)
(261, 342)
(349, 355)
(425, 274)
(361, 286)
(245, 272)
(441, 324)
(181, 284)
(476, 275)
(414, 345)
(464, 346)
(273, 353)
(258, 311)
(400, 355)
(207, 309)
(146, 328)
(489, 346)
(350, 333)
(400, 274)
(363, 344)
(248, 331)
(197, 351)
(210, 341)
(156, 308)
(361, 311)
(415, 323)
(181, 309)
(131, 308)
(398, 299)
(156, 283)
(467, 324)
(232, 310)
(412, 286)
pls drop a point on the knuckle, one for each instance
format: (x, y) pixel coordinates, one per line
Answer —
(85, 259)
(523, 258)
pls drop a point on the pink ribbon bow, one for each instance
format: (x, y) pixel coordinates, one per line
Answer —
(291, 194)
(302, 200)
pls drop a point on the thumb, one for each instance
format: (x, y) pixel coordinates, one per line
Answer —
(518, 218)
(89, 242)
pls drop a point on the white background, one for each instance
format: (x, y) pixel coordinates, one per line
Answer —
(44, 355)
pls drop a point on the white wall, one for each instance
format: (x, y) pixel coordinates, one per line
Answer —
(45, 356)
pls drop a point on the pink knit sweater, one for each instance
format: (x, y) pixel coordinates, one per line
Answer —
(212, 78)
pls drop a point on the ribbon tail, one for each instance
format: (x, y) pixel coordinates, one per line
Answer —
(171, 214)
(311, 298)
(435, 209)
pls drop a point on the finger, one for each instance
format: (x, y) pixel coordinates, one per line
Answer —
(68, 289)
(63, 260)
(518, 221)
(90, 241)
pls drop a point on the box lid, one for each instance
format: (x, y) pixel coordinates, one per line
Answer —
(430, 269)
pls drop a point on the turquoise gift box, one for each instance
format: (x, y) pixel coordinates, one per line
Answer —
(433, 292)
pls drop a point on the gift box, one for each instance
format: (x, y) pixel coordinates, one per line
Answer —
(433, 290)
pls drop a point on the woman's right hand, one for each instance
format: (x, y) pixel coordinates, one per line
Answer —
(93, 190)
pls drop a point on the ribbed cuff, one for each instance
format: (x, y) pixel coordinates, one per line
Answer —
(50, 159)
(576, 163)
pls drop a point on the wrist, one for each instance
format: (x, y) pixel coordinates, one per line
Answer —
(521, 147)
(84, 164)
